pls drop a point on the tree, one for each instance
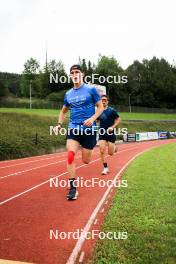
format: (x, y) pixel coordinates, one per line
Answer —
(110, 67)
(57, 68)
(90, 69)
(30, 73)
(2, 89)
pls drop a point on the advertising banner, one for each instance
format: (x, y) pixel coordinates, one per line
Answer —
(141, 136)
(131, 137)
(152, 135)
(162, 134)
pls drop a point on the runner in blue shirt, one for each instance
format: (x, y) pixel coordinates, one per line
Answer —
(81, 100)
(109, 119)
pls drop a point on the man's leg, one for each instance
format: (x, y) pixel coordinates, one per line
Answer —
(72, 148)
(88, 142)
(102, 145)
(111, 148)
(86, 155)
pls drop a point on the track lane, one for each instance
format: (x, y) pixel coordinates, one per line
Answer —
(26, 221)
(26, 160)
(12, 187)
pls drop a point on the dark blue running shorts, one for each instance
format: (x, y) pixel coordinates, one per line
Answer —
(106, 137)
(85, 140)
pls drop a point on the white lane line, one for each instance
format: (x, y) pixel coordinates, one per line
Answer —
(28, 190)
(34, 161)
(20, 172)
(12, 165)
(81, 257)
(102, 210)
(5, 261)
(55, 155)
(58, 156)
(38, 185)
(95, 222)
(32, 157)
(80, 241)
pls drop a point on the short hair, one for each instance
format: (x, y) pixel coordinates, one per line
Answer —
(104, 95)
(76, 67)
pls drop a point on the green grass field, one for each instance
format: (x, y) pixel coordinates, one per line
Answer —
(124, 116)
(146, 211)
(42, 112)
(18, 131)
(18, 135)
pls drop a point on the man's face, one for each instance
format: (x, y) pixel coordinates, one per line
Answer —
(76, 76)
(104, 101)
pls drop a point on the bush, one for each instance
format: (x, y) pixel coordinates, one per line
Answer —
(57, 97)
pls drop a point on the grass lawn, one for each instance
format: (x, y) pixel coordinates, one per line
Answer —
(124, 116)
(146, 211)
(19, 128)
(43, 112)
(18, 135)
(148, 116)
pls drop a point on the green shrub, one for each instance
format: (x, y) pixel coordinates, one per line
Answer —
(56, 97)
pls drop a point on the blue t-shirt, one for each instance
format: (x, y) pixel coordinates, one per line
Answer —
(82, 103)
(108, 117)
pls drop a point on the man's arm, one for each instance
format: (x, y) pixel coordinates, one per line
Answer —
(62, 114)
(99, 110)
(116, 123)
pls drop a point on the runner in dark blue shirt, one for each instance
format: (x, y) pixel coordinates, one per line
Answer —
(109, 119)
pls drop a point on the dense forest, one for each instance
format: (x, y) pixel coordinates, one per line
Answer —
(151, 83)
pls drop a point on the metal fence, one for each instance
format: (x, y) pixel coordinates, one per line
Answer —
(43, 104)
(140, 109)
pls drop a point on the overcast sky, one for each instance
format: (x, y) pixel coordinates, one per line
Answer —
(127, 29)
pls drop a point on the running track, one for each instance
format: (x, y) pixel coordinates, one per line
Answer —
(30, 208)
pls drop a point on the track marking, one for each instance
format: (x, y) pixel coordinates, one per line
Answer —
(5, 261)
(16, 173)
(80, 241)
(20, 172)
(56, 153)
(12, 165)
(102, 210)
(95, 222)
(38, 185)
(81, 257)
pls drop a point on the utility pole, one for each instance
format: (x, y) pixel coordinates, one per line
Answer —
(30, 94)
(129, 102)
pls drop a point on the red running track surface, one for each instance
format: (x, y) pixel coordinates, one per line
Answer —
(30, 207)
